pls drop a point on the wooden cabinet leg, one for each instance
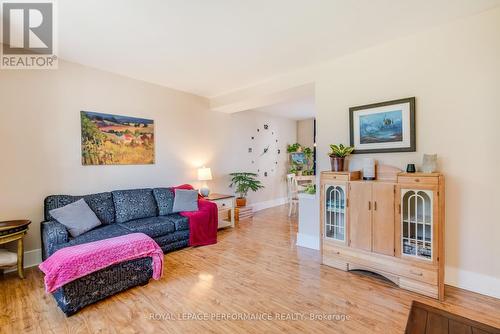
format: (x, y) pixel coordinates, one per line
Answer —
(232, 216)
(20, 258)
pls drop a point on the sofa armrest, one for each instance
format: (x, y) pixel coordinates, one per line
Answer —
(53, 234)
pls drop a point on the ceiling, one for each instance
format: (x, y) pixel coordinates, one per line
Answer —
(298, 108)
(213, 47)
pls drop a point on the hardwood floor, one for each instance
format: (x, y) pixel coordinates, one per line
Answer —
(255, 269)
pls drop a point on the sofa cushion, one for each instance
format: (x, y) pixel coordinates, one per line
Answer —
(152, 226)
(185, 200)
(164, 240)
(102, 204)
(100, 233)
(78, 217)
(181, 222)
(134, 204)
(164, 199)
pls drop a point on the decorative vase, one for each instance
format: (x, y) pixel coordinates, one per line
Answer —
(429, 163)
(369, 169)
(410, 168)
(337, 164)
(241, 201)
(204, 191)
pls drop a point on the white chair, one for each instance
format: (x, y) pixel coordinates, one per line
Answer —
(292, 193)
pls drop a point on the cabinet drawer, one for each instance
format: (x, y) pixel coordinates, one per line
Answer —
(226, 203)
(338, 177)
(418, 180)
(429, 276)
(387, 264)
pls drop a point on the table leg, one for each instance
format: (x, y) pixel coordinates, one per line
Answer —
(20, 258)
(232, 216)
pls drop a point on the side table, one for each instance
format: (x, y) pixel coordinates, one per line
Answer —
(225, 204)
(15, 230)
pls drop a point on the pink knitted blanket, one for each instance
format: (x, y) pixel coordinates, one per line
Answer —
(71, 263)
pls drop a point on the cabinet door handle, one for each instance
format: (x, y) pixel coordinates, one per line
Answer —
(375, 205)
(399, 208)
(369, 205)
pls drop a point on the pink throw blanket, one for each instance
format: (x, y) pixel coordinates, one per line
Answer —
(202, 223)
(71, 263)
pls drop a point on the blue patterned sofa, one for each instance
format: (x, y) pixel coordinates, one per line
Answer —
(121, 212)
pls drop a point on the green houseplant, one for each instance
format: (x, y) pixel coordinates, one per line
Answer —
(243, 183)
(310, 189)
(294, 148)
(337, 156)
(303, 166)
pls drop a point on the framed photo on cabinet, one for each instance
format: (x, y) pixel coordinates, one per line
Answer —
(383, 127)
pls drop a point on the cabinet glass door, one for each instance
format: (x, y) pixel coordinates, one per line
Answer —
(335, 212)
(416, 223)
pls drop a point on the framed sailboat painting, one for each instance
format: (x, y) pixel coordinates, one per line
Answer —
(383, 127)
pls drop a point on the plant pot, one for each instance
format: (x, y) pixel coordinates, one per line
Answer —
(337, 164)
(241, 201)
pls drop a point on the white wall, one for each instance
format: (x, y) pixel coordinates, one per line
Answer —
(244, 126)
(454, 72)
(40, 139)
(305, 132)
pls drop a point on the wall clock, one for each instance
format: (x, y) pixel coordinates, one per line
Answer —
(264, 150)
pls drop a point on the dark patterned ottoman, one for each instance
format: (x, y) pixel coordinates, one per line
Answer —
(101, 284)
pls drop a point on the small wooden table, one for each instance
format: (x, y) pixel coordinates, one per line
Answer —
(11, 231)
(225, 204)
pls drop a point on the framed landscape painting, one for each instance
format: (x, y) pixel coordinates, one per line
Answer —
(116, 140)
(383, 127)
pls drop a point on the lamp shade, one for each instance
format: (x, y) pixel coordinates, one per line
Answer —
(204, 174)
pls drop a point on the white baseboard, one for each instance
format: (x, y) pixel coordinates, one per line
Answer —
(268, 204)
(31, 258)
(475, 282)
(307, 241)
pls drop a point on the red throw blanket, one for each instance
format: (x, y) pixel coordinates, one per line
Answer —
(202, 223)
(71, 263)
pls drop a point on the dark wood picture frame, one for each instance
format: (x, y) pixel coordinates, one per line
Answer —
(411, 148)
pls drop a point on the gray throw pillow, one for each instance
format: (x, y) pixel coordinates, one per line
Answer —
(78, 217)
(185, 200)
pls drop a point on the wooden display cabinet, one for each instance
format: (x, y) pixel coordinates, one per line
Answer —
(392, 226)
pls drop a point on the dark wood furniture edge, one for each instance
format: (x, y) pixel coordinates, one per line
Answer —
(450, 316)
(11, 224)
(217, 196)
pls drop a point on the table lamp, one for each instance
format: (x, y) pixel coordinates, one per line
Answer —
(204, 174)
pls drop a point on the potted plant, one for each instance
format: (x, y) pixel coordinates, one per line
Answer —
(294, 148)
(303, 163)
(337, 156)
(310, 189)
(296, 168)
(244, 182)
